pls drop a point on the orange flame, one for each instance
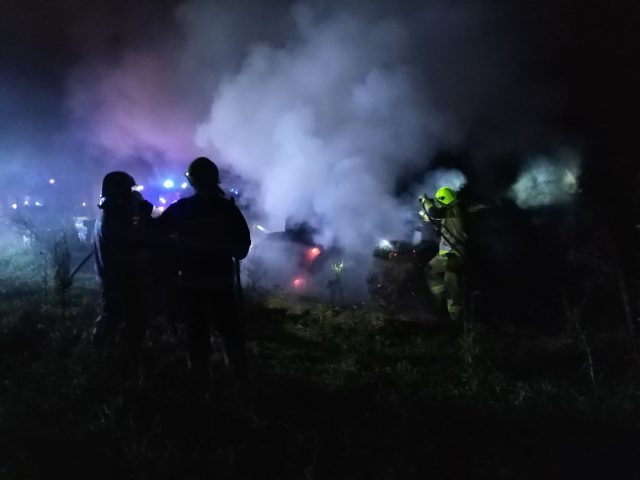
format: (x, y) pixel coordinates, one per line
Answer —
(313, 252)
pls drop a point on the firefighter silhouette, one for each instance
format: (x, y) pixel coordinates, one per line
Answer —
(122, 256)
(211, 236)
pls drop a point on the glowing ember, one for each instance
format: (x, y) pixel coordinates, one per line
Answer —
(312, 253)
(298, 282)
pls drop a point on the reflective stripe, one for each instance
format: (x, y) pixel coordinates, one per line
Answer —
(454, 311)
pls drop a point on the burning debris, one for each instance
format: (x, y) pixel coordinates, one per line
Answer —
(299, 282)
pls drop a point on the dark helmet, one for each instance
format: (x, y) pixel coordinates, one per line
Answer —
(116, 186)
(203, 173)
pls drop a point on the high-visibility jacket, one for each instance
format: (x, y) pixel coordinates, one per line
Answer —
(450, 223)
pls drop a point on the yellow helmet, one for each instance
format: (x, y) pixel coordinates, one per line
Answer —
(446, 195)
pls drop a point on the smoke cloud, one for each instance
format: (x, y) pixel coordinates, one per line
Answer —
(326, 124)
(547, 180)
(324, 108)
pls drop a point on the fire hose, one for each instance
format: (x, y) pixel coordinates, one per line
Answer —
(80, 265)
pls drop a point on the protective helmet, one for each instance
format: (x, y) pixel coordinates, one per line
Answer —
(116, 186)
(446, 195)
(203, 173)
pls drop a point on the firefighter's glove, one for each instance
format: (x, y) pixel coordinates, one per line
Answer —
(425, 201)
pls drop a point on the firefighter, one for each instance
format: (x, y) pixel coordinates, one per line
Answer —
(122, 255)
(336, 284)
(211, 237)
(445, 269)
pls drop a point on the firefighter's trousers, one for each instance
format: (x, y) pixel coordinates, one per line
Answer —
(444, 281)
(126, 307)
(206, 308)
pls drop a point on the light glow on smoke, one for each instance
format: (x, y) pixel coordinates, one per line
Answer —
(299, 282)
(441, 177)
(313, 253)
(385, 244)
(137, 188)
(163, 200)
(547, 180)
(157, 210)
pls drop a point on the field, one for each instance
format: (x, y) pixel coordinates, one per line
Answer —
(334, 393)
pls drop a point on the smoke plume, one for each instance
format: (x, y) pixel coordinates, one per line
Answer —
(325, 108)
(326, 124)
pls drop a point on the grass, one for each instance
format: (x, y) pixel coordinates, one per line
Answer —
(335, 393)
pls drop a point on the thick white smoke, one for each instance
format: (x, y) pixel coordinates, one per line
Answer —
(547, 180)
(439, 178)
(326, 124)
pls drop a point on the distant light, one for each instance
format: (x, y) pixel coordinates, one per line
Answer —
(84, 204)
(168, 183)
(26, 202)
(261, 228)
(298, 282)
(235, 191)
(313, 252)
(52, 181)
(184, 185)
(137, 188)
(163, 200)
(38, 204)
(14, 206)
